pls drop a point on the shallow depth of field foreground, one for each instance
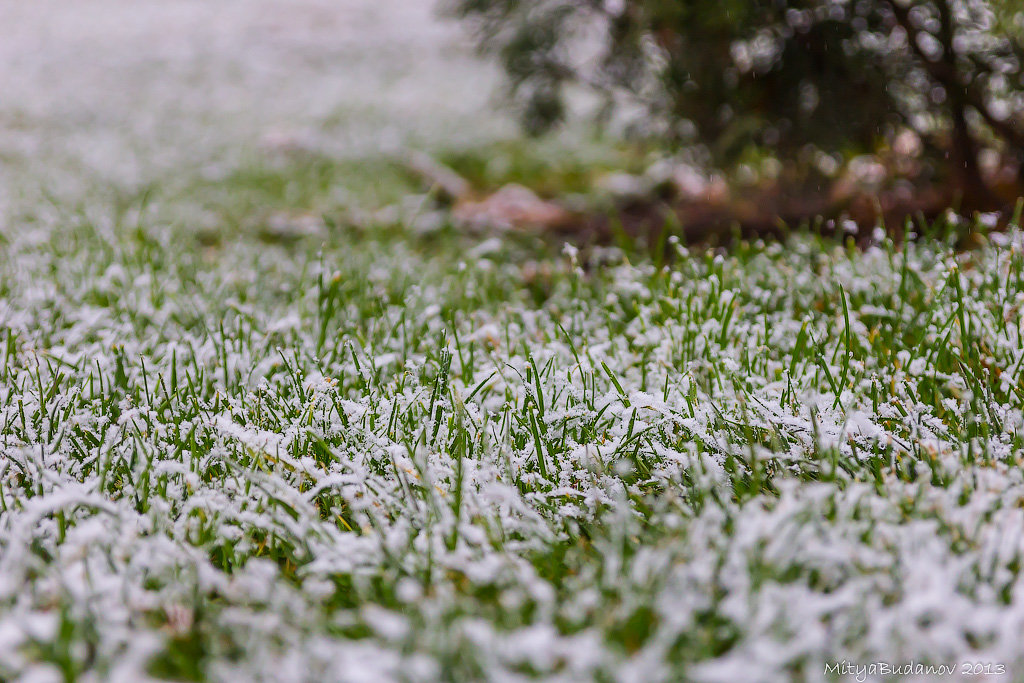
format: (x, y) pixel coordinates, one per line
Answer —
(366, 462)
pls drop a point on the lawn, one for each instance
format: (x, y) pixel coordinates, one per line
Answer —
(361, 452)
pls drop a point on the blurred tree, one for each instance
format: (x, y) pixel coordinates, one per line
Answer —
(841, 76)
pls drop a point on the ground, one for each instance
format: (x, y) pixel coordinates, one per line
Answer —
(254, 429)
(141, 91)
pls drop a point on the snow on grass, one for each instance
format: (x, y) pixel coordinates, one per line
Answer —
(362, 458)
(391, 456)
(136, 91)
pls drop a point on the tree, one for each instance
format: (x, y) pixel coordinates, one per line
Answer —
(839, 76)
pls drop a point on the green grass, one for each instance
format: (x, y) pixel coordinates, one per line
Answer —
(374, 454)
(551, 168)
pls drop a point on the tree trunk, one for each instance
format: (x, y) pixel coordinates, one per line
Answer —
(973, 192)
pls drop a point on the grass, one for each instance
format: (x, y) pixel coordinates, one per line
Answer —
(382, 455)
(551, 168)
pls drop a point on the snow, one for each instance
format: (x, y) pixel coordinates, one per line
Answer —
(134, 90)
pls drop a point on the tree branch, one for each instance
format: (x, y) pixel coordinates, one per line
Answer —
(946, 76)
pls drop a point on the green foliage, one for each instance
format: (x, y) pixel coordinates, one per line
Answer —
(841, 76)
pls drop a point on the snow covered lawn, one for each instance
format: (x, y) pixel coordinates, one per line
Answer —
(311, 452)
(136, 91)
(366, 457)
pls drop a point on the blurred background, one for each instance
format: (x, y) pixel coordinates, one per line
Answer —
(711, 116)
(136, 91)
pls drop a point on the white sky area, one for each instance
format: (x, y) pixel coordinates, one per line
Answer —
(125, 90)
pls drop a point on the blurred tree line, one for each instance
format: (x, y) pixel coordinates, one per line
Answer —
(793, 78)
